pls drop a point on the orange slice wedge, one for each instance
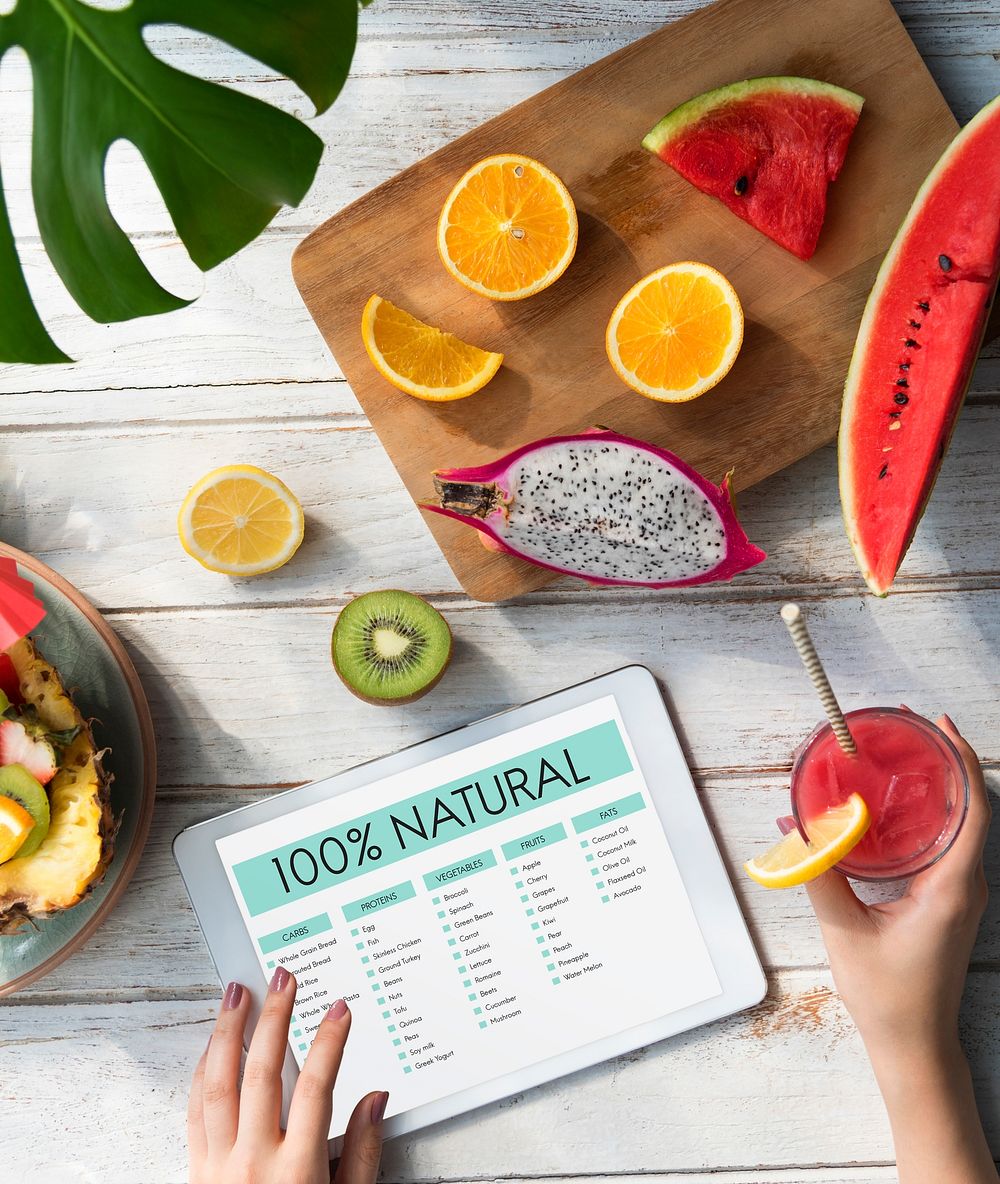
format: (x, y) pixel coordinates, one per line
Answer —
(676, 333)
(508, 228)
(15, 826)
(831, 836)
(423, 361)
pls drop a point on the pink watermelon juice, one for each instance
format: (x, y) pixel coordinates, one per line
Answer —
(911, 778)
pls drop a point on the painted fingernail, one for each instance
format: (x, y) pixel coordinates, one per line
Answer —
(336, 1011)
(232, 997)
(379, 1103)
(279, 980)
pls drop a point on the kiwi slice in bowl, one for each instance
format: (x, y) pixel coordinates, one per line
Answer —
(390, 647)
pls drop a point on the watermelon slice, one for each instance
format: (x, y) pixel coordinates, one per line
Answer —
(919, 337)
(768, 148)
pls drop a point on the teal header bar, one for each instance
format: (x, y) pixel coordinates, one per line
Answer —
(609, 813)
(430, 819)
(533, 843)
(292, 934)
(378, 901)
(460, 870)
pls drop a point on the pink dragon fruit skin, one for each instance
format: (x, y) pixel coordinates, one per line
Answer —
(676, 528)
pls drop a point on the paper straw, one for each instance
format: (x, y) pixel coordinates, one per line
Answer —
(791, 614)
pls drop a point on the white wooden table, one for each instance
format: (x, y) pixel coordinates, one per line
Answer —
(95, 1059)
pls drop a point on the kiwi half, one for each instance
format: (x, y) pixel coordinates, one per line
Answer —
(390, 647)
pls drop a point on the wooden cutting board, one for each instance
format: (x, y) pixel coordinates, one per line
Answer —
(780, 401)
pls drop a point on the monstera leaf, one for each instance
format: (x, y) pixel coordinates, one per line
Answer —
(224, 163)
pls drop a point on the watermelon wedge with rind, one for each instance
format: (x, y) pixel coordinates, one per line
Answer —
(768, 148)
(920, 334)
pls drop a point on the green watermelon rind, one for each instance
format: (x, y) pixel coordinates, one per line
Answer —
(682, 117)
(851, 386)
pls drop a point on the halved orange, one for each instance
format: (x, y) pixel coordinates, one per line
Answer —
(508, 228)
(676, 333)
(832, 835)
(421, 360)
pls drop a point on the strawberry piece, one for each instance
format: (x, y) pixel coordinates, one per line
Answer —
(10, 684)
(17, 747)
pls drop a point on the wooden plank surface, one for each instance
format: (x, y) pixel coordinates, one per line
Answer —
(92, 457)
(780, 401)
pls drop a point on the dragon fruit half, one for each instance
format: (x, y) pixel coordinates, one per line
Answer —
(603, 507)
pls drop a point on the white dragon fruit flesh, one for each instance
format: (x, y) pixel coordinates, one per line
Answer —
(603, 507)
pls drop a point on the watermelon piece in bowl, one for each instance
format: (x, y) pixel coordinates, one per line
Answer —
(920, 335)
(767, 148)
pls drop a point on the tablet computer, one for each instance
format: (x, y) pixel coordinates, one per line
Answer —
(514, 900)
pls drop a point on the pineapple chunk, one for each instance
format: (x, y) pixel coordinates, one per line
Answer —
(76, 852)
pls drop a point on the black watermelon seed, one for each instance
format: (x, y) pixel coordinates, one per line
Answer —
(924, 305)
(901, 382)
(909, 342)
(904, 365)
(741, 186)
(895, 414)
(901, 399)
(914, 324)
(944, 262)
(882, 471)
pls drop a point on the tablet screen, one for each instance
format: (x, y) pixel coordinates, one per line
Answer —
(481, 912)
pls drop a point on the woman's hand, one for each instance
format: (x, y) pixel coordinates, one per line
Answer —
(900, 969)
(234, 1133)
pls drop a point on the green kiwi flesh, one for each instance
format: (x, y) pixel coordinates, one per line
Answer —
(390, 646)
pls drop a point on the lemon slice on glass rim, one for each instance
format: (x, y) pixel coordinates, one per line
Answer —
(832, 835)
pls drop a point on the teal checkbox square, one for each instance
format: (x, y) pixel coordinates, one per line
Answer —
(436, 900)
(540, 939)
(297, 1032)
(472, 997)
(551, 966)
(401, 1056)
(354, 932)
(467, 983)
(380, 1002)
(407, 1069)
(599, 884)
(376, 987)
(482, 1023)
(546, 953)
(477, 1011)
(452, 941)
(392, 1027)
(396, 1042)
(303, 1047)
(370, 973)
(524, 898)
(595, 871)
(386, 1014)
(442, 914)
(605, 899)
(513, 871)
(519, 884)
(529, 912)
(270, 965)
(462, 969)
(590, 857)
(446, 929)
(535, 925)
(556, 982)
(457, 956)
(584, 842)
(365, 960)
(359, 945)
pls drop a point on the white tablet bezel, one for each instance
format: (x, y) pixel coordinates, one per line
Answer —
(666, 773)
